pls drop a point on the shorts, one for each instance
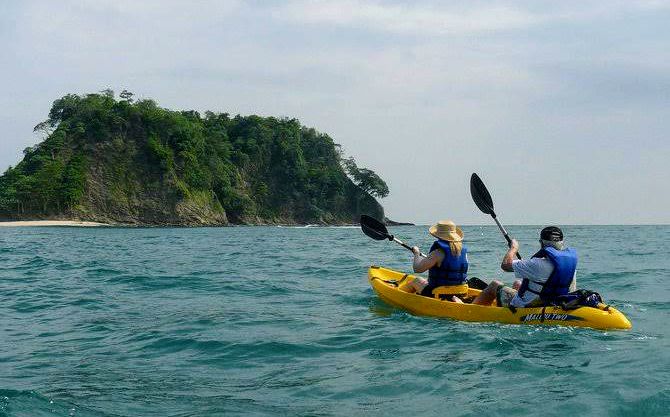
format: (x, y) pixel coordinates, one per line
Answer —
(504, 296)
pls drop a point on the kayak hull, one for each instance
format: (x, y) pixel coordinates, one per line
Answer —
(387, 284)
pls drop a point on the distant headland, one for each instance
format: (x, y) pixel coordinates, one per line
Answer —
(121, 161)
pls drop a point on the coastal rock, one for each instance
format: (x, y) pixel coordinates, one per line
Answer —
(390, 222)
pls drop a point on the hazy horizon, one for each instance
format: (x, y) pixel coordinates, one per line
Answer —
(562, 108)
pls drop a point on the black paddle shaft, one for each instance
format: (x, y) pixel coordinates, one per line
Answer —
(483, 200)
(378, 231)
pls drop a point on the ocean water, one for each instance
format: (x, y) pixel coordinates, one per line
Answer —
(271, 321)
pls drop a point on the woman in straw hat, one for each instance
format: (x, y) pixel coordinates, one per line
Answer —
(447, 263)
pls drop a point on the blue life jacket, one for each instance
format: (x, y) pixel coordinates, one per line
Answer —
(558, 283)
(452, 271)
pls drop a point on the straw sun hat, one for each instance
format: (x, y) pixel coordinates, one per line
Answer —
(446, 230)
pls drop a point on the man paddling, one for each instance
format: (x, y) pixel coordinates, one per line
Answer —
(549, 273)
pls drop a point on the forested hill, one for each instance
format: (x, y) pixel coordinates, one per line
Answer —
(124, 161)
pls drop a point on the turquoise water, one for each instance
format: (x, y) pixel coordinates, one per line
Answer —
(262, 321)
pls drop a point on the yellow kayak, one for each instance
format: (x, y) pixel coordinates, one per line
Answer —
(388, 285)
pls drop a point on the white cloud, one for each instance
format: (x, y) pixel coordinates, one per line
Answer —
(455, 18)
(416, 19)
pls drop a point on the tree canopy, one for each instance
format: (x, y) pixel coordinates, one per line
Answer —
(366, 179)
(129, 150)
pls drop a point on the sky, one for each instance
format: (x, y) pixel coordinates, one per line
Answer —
(562, 108)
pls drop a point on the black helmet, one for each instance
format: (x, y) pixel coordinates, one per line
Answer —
(552, 234)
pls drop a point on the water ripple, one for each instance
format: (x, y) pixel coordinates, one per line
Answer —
(190, 322)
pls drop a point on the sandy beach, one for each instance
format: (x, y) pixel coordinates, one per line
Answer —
(41, 223)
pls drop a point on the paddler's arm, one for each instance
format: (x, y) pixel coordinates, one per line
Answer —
(510, 256)
(423, 264)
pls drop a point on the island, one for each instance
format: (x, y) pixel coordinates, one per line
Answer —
(122, 161)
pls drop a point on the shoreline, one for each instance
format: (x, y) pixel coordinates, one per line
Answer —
(78, 223)
(65, 222)
(50, 223)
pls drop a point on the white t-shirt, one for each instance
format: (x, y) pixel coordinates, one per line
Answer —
(534, 269)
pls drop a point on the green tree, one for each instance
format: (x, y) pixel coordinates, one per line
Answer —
(47, 185)
(366, 179)
(126, 96)
(74, 181)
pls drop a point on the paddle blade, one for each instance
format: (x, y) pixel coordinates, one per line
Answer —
(481, 195)
(477, 283)
(374, 228)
